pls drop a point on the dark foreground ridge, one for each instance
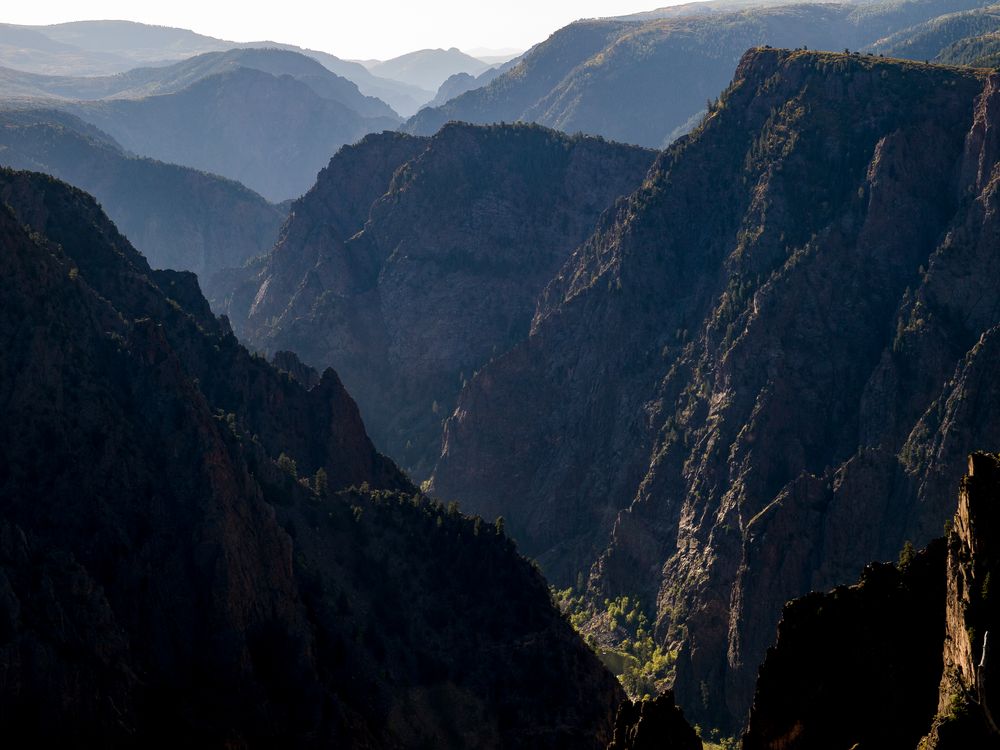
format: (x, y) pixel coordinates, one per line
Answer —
(196, 550)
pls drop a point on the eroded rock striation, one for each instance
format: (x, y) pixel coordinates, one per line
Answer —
(769, 363)
(968, 712)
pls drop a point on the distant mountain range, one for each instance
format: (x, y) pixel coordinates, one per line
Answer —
(89, 48)
(428, 68)
(271, 133)
(169, 79)
(646, 79)
(196, 113)
(459, 83)
(108, 47)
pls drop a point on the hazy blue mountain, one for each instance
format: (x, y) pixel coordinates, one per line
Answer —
(496, 59)
(138, 42)
(108, 47)
(402, 97)
(271, 133)
(178, 217)
(24, 48)
(646, 81)
(141, 82)
(428, 68)
(459, 83)
(266, 117)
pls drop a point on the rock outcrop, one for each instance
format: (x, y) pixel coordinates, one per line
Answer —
(414, 261)
(858, 666)
(902, 654)
(656, 723)
(196, 550)
(772, 360)
(969, 699)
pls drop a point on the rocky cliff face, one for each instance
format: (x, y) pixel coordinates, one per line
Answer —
(968, 699)
(196, 549)
(771, 359)
(904, 652)
(412, 277)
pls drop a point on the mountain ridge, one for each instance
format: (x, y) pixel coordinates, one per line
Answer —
(608, 77)
(88, 43)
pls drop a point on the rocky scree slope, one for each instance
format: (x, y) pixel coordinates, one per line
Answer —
(902, 659)
(414, 276)
(177, 217)
(195, 549)
(772, 360)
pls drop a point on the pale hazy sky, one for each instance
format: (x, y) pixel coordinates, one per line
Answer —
(356, 29)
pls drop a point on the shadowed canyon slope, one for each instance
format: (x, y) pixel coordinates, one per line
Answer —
(771, 360)
(414, 261)
(177, 217)
(196, 550)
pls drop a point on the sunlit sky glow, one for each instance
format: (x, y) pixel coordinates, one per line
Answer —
(362, 29)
